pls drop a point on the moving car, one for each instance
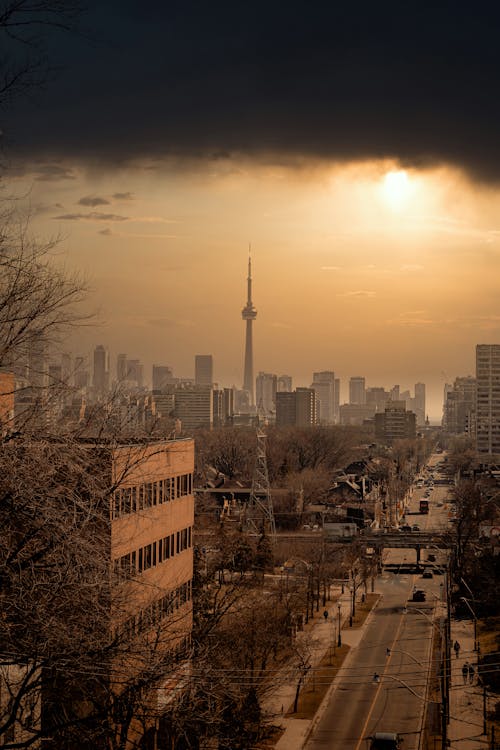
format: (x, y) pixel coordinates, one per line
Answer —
(427, 574)
(385, 741)
(418, 596)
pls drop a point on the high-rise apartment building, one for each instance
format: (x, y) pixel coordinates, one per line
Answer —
(223, 406)
(357, 390)
(203, 369)
(336, 400)
(324, 386)
(459, 406)
(298, 408)
(265, 392)
(194, 407)
(488, 398)
(395, 422)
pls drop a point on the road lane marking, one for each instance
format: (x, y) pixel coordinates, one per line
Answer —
(375, 697)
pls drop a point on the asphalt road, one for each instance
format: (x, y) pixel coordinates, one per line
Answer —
(358, 705)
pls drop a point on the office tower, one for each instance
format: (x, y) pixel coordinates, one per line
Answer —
(488, 398)
(101, 370)
(121, 367)
(419, 403)
(194, 407)
(284, 383)
(203, 369)
(336, 400)
(249, 313)
(324, 386)
(357, 392)
(395, 422)
(459, 405)
(162, 377)
(265, 392)
(298, 408)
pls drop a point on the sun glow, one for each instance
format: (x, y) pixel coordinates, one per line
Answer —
(396, 188)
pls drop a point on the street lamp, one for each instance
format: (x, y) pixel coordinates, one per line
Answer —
(339, 641)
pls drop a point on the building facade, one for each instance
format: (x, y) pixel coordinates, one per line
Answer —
(395, 423)
(488, 398)
(194, 407)
(357, 390)
(298, 408)
(203, 369)
(324, 386)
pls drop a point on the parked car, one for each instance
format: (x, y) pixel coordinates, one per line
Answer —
(405, 527)
(431, 557)
(415, 527)
(427, 574)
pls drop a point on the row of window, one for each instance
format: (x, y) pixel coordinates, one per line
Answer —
(132, 499)
(156, 553)
(149, 617)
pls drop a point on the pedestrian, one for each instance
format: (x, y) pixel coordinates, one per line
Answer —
(456, 647)
(472, 672)
(465, 672)
(325, 614)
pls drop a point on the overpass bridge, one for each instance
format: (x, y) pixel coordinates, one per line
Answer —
(417, 540)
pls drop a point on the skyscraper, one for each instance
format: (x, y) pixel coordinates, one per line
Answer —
(203, 369)
(488, 398)
(357, 392)
(324, 385)
(249, 313)
(101, 369)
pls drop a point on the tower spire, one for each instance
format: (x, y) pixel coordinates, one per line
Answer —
(249, 313)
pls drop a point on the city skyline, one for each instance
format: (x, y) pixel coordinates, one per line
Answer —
(375, 235)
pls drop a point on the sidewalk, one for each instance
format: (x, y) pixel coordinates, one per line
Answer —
(465, 731)
(296, 731)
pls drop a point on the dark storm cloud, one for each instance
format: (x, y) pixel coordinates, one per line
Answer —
(417, 81)
(93, 201)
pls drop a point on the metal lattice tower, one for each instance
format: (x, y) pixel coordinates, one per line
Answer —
(260, 505)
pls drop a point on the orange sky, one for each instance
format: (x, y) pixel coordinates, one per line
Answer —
(394, 278)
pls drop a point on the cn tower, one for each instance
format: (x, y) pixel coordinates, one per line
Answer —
(249, 313)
